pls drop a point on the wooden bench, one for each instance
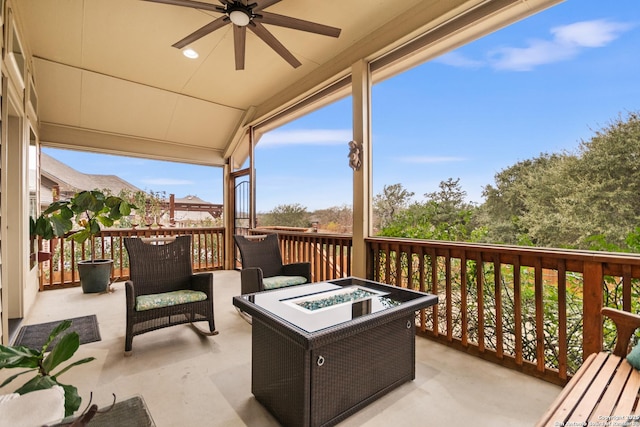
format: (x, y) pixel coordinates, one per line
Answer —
(604, 391)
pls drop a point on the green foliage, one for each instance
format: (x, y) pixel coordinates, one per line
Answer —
(148, 204)
(586, 200)
(582, 200)
(393, 199)
(87, 209)
(293, 215)
(507, 203)
(444, 216)
(42, 363)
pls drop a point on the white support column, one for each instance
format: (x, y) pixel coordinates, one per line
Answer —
(252, 177)
(362, 181)
(228, 203)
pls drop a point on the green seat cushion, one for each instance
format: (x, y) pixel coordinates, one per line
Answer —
(276, 282)
(634, 357)
(166, 299)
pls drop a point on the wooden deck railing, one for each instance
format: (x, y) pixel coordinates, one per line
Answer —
(207, 251)
(535, 310)
(329, 254)
(531, 309)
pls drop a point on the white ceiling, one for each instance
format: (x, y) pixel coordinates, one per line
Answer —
(108, 79)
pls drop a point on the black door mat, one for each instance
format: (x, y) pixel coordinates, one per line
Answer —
(34, 336)
(131, 412)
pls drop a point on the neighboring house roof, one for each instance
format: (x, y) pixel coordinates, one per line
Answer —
(193, 209)
(191, 200)
(55, 173)
(70, 180)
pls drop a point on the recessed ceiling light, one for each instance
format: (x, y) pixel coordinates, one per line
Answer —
(190, 53)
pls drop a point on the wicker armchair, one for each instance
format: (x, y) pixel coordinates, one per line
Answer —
(163, 291)
(262, 267)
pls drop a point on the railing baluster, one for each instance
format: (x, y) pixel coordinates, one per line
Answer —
(449, 293)
(626, 288)
(480, 292)
(422, 286)
(497, 282)
(434, 290)
(539, 299)
(562, 320)
(463, 299)
(517, 316)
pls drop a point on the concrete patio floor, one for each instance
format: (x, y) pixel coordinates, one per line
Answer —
(188, 380)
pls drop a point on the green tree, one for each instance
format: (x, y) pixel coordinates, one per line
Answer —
(292, 215)
(445, 215)
(506, 202)
(448, 203)
(587, 199)
(609, 178)
(393, 199)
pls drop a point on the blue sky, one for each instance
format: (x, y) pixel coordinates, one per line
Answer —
(541, 85)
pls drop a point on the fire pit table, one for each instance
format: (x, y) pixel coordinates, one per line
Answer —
(322, 351)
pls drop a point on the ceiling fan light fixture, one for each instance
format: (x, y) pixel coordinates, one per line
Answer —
(240, 17)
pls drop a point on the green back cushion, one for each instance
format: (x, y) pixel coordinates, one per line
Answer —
(282, 281)
(634, 357)
(147, 302)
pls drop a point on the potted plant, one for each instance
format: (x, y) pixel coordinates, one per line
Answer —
(88, 210)
(42, 362)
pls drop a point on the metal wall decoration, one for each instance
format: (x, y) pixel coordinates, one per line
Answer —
(355, 155)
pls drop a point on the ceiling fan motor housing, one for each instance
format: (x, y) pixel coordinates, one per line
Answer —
(240, 14)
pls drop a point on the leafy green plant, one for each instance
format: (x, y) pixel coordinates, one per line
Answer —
(42, 363)
(86, 209)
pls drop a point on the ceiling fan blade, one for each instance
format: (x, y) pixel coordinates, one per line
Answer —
(265, 4)
(189, 3)
(297, 24)
(239, 38)
(209, 28)
(270, 39)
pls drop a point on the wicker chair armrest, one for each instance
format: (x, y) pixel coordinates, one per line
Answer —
(251, 280)
(203, 282)
(626, 324)
(298, 269)
(130, 292)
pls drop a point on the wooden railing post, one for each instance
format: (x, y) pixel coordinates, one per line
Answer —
(592, 305)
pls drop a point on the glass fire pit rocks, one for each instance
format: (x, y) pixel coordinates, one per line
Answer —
(347, 295)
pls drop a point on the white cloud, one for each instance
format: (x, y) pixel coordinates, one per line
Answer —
(306, 137)
(456, 59)
(431, 159)
(567, 42)
(589, 33)
(167, 181)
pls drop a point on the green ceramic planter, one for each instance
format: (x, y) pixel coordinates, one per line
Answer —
(95, 275)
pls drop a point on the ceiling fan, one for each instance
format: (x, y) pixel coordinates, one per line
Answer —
(242, 15)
